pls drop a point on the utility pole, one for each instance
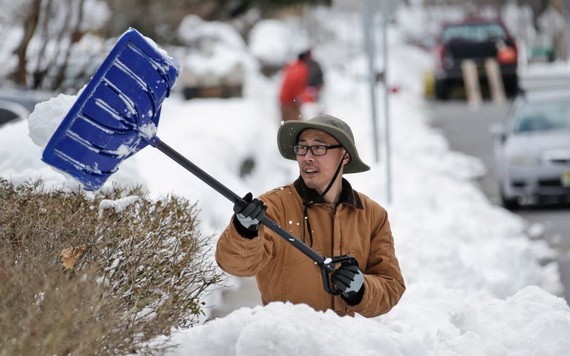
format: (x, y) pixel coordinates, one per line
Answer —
(388, 164)
(371, 52)
(369, 30)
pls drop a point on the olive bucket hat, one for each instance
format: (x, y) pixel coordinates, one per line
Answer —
(289, 131)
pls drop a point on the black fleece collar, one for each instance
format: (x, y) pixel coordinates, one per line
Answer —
(310, 196)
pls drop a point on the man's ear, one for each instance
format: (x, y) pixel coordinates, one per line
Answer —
(346, 158)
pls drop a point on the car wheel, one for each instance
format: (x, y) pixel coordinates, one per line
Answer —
(441, 89)
(510, 203)
(511, 86)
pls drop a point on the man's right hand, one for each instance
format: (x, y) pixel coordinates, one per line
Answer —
(249, 212)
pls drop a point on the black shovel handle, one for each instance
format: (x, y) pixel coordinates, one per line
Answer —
(326, 264)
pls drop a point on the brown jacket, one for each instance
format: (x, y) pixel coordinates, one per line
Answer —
(357, 226)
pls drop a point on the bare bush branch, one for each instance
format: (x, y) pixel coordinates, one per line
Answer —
(139, 270)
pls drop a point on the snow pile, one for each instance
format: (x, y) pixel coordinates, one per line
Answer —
(438, 321)
(47, 116)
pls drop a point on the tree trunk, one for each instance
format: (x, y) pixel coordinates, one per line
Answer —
(30, 25)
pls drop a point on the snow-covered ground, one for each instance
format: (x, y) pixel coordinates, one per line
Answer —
(474, 282)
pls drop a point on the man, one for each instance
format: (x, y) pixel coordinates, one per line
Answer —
(322, 210)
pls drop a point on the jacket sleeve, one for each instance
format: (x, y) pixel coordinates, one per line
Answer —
(242, 256)
(383, 281)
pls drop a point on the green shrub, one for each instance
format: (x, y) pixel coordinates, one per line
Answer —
(98, 273)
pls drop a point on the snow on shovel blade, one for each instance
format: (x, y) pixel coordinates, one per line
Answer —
(116, 114)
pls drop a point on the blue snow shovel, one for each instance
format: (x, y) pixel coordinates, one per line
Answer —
(116, 115)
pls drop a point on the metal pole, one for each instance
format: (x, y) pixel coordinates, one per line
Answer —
(385, 10)
(371, 51)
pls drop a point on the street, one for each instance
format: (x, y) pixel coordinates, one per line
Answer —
(467, 131)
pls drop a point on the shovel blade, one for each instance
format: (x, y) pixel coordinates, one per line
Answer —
(117, 113)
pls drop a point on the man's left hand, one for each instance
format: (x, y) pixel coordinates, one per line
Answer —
(348, 279)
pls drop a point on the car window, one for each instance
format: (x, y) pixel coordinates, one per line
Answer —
(543, 116)
(10, 111)
(7, 115)
(474, 32)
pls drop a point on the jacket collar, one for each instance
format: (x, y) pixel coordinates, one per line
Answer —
(310, 196)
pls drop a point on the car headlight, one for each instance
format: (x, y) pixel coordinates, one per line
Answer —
(561, 156)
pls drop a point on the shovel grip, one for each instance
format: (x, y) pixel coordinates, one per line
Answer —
(328, 268)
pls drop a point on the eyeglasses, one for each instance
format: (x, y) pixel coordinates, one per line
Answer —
(316, 150)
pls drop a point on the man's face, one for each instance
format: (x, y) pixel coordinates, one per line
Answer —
(317, 171)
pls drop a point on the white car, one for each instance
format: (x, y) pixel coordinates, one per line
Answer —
(532, 149)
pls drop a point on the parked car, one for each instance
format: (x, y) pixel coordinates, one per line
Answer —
(215, 59)
(476, 39)
(17, 104)
(532, 149)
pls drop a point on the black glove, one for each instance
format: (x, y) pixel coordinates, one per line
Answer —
(249, 212)
(349, 281)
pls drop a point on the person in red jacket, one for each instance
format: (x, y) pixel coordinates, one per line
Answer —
(293, 86)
